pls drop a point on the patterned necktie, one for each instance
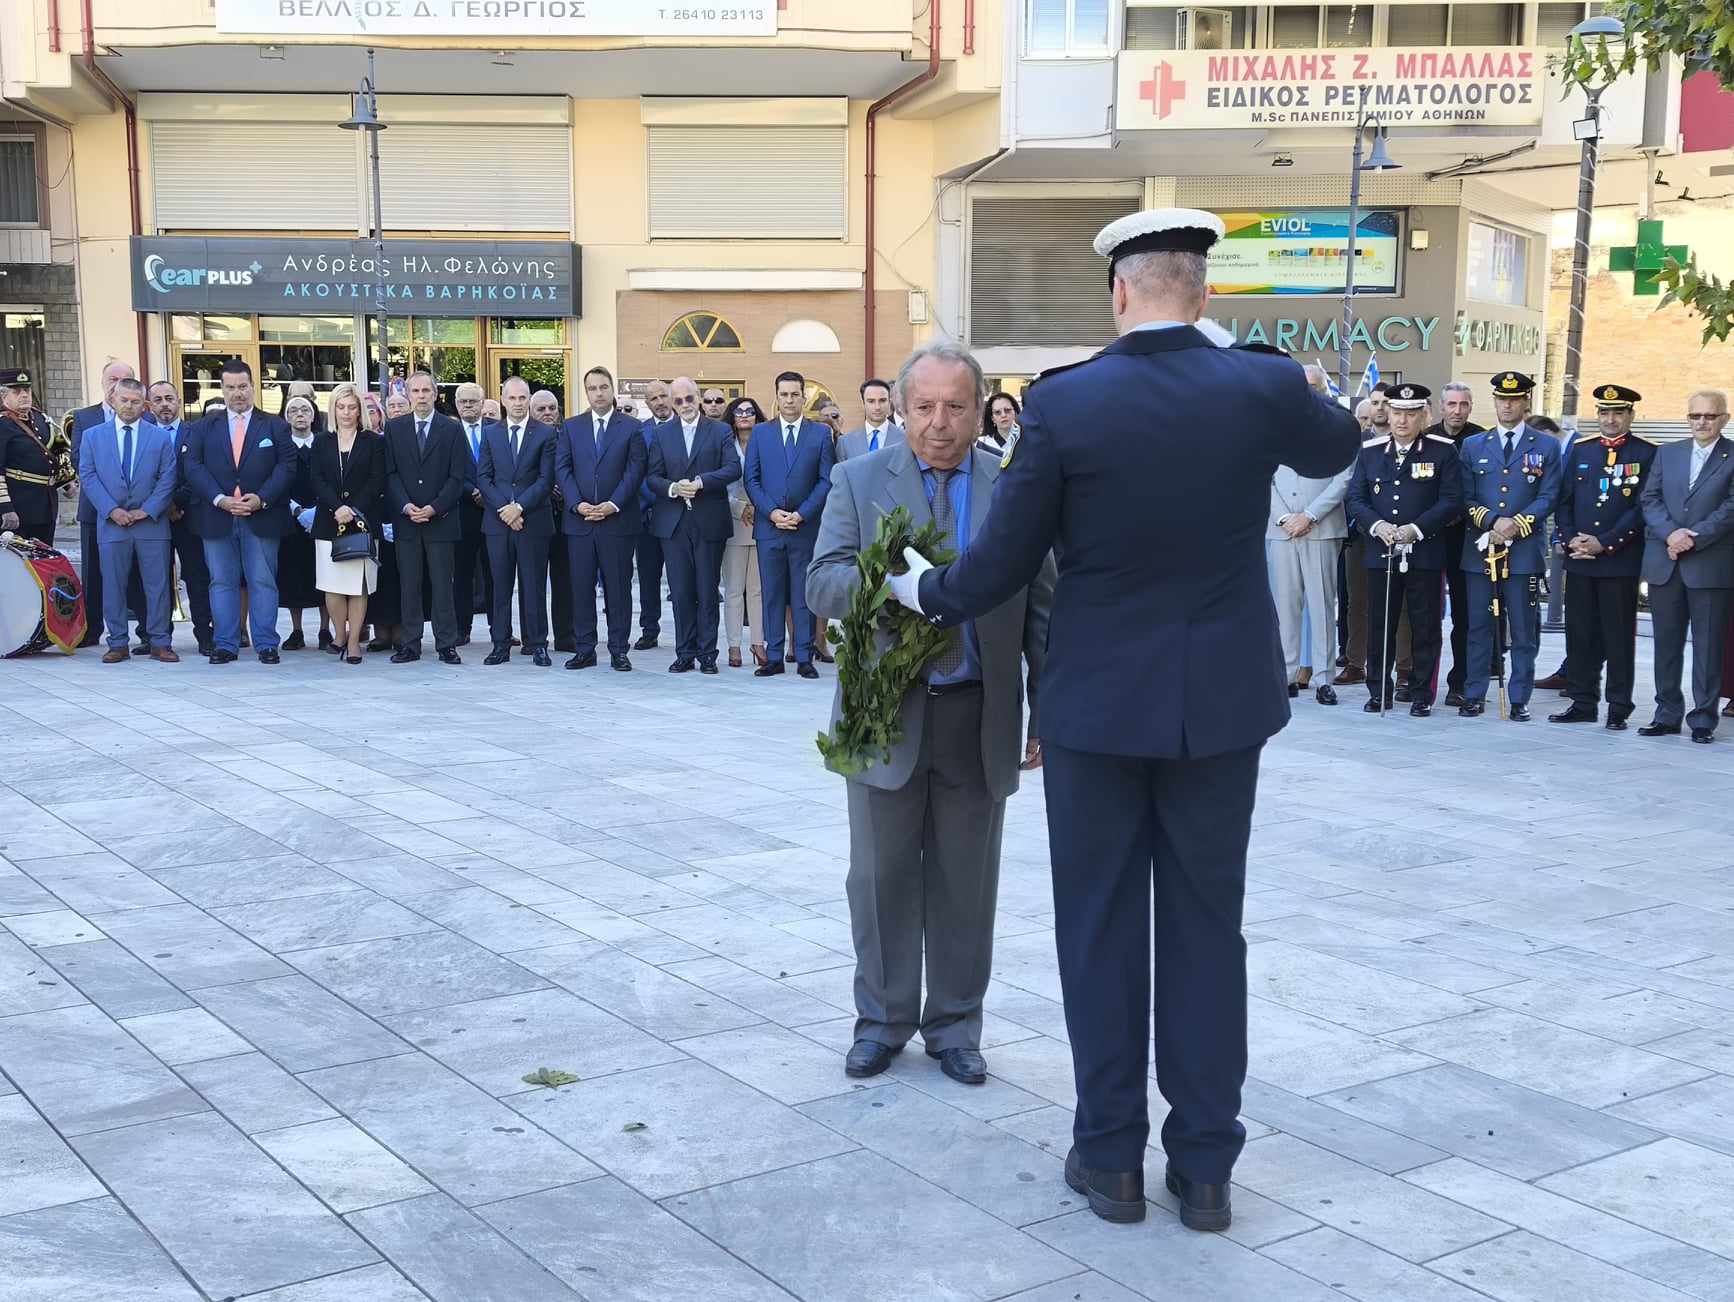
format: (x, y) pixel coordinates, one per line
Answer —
(950, 658)
(421, 434)
(516, 429)
(789, 442)
(126, 455)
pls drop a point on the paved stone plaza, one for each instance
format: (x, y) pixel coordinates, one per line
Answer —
(280, 945)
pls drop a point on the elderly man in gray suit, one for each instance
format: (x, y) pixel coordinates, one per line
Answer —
(925, 826)
(880, 431)
(1303, 535)
(1688, 502)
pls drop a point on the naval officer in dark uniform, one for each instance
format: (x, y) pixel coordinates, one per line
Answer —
(28, 501)
(1404, 495)
(1166, 677)
(1600, 523)
(1511, 480)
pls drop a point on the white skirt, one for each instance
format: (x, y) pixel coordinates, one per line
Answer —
(346, 578)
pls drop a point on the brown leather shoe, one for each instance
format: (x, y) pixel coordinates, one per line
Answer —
(116, 655)
(1350, 675)
(734, 657)
(165, 654)
(1552, 683)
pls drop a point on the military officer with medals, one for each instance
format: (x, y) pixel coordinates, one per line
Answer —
(1600, 523)
(27, 467)
(1404, 494)
(1511, 482)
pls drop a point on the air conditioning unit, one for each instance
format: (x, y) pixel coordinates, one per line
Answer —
(1203, 29)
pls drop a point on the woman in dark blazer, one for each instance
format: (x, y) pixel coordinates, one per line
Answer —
(348, 473)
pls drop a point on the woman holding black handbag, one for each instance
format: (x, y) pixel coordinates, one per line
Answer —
(348, 484)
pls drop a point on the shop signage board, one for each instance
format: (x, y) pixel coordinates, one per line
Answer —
(513, 278)
(1206, 90)
(1317, 336)
(491, 19)
(1305, 251)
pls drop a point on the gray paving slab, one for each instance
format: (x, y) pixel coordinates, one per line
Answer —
(1702, 1112)
(1522, 1268)
(90, 1249)
(28, 981)
(315, 921)
(191, 948)
(1362, 1271)
(635, 991)
(187, 1035)
(453, 1256)
(341, 1164)
(37, 1169)
(1670, 1186)
(300, 1024)
(405, 973)
(254, 1093)
(378, 1283)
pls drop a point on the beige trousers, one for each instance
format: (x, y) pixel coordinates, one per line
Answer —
(742, 601)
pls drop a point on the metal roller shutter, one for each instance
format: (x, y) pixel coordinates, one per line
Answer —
(1034, 280)
(811, 201)
(484, 178)
(300, 176)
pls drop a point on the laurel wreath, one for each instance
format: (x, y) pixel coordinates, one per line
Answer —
(873, 682)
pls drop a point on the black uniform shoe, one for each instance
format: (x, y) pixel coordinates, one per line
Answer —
(450, 656)
(380, 644)
(1453, 698)
(269, 656)
(707, 666)
(498, 656)
(1576, 714)
(222, 657)
(1202, 1206)
(404, 655)
(868, 1058)
(1325, 694)
(207, 648)
(620, 664)
(1372, 706)
(806, 670)
(1116, 1196)
(1659, 730)
(770, 670)
(1420, 710)
(585, 661)
(1402, 692)
(683, 666)
(1471, 709)
(965, 1066)
(645, 643)
(1616, 723)
(296, 641)
(1293, 690)
(1703, 736)
(1519, 714)
(541, 658)
(141, 648)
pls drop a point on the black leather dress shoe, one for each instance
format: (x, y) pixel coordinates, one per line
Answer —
(269, 656)
(1420, 710)
(207, 649)
(404, 655)
(707, 666)
(1576, 714)
(770, 670)
(825, 657)
(142, 648)
(1659, 730)
(1372, 705)
(498, 656)
(1401, 695)
(645, 643)
(222, 657)
(683, 666)
(1116, 1196)
(1519, 714)
(450, 656)
(1293, 690)
(296, 641)
(585, 661)
(965, 1066)
(806, 670)
(1202, 1206)
(541, 658)
(1453, 699)
(620, 664)
(379, 644)
(1325, 694)
(1472, 709)
(1703, 736)
(868, 1058)
(1616, 723)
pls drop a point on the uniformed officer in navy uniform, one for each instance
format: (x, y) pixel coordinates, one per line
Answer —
(28, 502)
(1164, 678)
(1404, 495)
(1600, 523)
(1511, 483)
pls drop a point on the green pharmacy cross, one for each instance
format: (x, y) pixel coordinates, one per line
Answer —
(1645, 258)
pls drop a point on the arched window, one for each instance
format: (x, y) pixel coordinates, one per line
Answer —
(817, 394)
(805, 335)
(701, 332)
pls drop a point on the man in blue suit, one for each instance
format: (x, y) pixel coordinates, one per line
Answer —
(1164, 678)
(516, 479)
(692, 462)
(127, 469)
(788, 473)
(647, 547)
(599, 465)
(241, 465)
(89, 547)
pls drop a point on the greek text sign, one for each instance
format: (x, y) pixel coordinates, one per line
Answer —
(494, 18)
(527, 278)
(1210, 89)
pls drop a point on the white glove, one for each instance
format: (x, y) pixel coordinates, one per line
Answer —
(906, 587)
(305, 519)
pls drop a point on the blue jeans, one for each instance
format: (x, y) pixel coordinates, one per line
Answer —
(243, 552)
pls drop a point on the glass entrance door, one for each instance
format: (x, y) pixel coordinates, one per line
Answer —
(540, 368)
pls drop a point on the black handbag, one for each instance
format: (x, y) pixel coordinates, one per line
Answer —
(354, 542)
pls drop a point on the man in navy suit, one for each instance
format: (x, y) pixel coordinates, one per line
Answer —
(470, 549)
(427, 475)
(788, 473)
(241, 465)
(692, 462)
(1164, 678)
(127, 468)
(89, 549)
(516, 479)
(599, 464)
(164, 401)
(647, 547)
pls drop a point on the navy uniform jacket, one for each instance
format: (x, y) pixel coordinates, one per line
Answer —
(1526, 489)
(1424, 490)
(1163, 639)
(26, 469)
(1599, 497)
(268, 468)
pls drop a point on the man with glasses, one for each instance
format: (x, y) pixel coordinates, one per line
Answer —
(471, 550)
(1688, 504)
(713, 402)
(545, 407)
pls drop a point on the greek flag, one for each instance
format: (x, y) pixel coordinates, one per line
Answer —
(1370, 376)
(1330, 380)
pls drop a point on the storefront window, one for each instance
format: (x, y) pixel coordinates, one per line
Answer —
(522, 332)
(21, 336)
(227, 327)
(185, 328)
(444, 347)
(1498, 265)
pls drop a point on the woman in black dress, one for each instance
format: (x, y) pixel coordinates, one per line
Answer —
(348, 472)
(296, 588)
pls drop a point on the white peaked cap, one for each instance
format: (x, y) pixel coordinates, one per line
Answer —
(1174, 230)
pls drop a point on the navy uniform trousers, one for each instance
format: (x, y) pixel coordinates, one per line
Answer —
(1122, 828)
(1520, 611)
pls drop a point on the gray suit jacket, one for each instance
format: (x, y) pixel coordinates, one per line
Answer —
(1707, 509)
(854, 443)
(1320, 498)
(862, 491)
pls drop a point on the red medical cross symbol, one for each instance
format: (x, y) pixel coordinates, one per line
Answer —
(1162, 89)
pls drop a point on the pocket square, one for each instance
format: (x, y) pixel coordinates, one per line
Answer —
(264, 443)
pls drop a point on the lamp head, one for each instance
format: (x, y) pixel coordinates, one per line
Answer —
(362, 116)
(1379, 159)
(1602, 25)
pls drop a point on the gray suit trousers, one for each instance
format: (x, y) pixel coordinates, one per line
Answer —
(1676, 610)
(1303, 576)
(924, 874)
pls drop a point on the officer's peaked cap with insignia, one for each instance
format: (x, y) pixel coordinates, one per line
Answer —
(14, 378)
(1512, 384)
(1159, 230)
(1408, 397)
(1615, 397)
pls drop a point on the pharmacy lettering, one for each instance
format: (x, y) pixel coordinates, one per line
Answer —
(525, 278)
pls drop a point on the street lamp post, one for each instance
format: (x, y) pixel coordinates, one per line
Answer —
(364, 116)
(1376, 161)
